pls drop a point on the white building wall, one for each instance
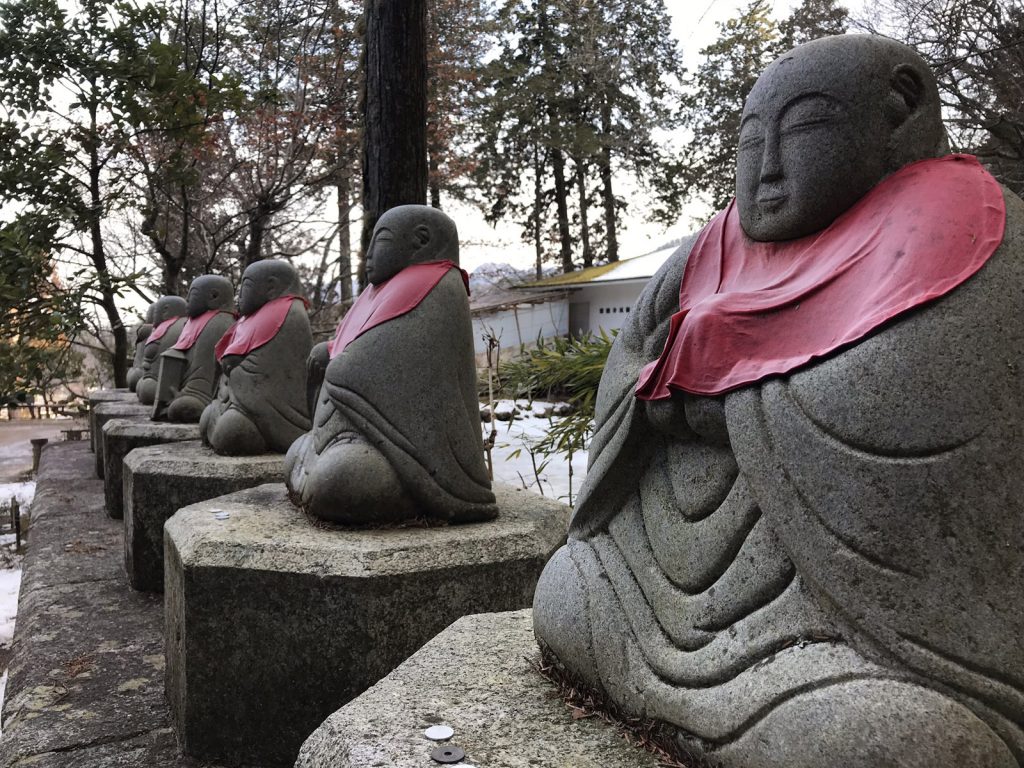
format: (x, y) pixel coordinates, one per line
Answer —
(522, 324)
(610, 305)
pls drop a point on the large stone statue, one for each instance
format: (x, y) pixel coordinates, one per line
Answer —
(396, 428)
(261, 401)
(141, 336)
(168, 320)
(188, 370)
(799, 542)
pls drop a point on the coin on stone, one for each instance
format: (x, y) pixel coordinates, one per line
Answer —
(439, 732)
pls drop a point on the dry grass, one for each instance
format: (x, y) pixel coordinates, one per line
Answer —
(664, 742)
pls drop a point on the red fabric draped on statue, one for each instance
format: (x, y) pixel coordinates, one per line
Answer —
(193, 328)
(160, 330)
(393, 298)
(748, 310)
(253, 331)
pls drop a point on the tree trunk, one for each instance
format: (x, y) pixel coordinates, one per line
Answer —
(119, 363)
(394, 110)
(561, 202)
(538, 202)
(606, 186)
(581, 183)
(344, 189)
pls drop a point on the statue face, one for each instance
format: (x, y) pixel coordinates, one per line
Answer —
(251, 295)
(392, 250)
(812, 142)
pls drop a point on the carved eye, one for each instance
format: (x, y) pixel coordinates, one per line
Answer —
(751, 134)
(810, 113)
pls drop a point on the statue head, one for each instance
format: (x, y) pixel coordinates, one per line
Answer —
(168, 307)
(150, 313)
(410, 234)
(209, 292)
(823, 124)
(265, 281)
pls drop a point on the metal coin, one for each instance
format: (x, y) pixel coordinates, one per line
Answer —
(439, 732)
(448, 754)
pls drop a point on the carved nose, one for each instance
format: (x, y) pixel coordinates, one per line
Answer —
(771, 162)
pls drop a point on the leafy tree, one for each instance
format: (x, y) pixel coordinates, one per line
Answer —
(71, 85)
(39, 317)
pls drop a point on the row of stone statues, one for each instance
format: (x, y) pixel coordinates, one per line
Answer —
(395, 432)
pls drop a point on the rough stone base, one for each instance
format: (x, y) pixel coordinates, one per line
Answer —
(160, 480)
(85, 686)
(120, 437)
(479, 677)
(105, 412)
(272, 623)
(99, 396)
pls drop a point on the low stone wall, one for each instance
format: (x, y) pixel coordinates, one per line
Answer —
(86, 681)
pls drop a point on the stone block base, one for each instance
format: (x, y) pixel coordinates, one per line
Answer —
(120, 437)
(160, 480)
(99, 396)
(480, 678)
(104, 412)
(272, 622)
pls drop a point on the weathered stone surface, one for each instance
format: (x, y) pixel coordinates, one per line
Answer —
(85, 686)
(114, 410)
(817, 568)
(160, 480)
(168, 322)
(261, 404)
(120, 437)
(263, 603)
(480, 678)
(396, 427)
(98, 396)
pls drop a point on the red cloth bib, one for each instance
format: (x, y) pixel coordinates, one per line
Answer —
(160, 330)
(193, 328)
(253, 331)
(393, 298)
(748, 310)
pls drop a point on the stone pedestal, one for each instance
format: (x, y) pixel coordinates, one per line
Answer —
(480, 678)
(121, 436)
(160, 480)
(100, 396)
(106, 412)
(274, 622)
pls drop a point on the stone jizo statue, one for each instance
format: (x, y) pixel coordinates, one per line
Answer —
(261, 401)
(396, 428)
(799, 541)
(169, 317)
(188, 371)
(141, 335)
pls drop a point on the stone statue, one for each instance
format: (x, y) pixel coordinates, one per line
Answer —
(141, 335)
(188, 370)
(396, 427)
(798, 543)
(261, 401)
(168, 320)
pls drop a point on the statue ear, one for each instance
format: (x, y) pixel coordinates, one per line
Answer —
(906, 92)
(422, 235)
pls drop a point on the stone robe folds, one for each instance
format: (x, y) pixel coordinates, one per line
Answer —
(835, 549)
(199, 381)
(428, 428)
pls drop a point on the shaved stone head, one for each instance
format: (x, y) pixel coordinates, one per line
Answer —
(410, 234)
(209, 292)
(167, 307)
(265, 281)
(823, 124)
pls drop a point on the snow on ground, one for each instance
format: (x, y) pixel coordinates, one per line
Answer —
(10, 574)
(513, 464)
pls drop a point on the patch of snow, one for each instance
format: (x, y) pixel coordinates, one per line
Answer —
(23, 492)
(513, 464)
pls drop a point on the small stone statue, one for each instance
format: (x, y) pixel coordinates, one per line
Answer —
(141, 335)
(799, 541)
(261, 402)
(168, 320)
(188, 371)
(396, 429)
